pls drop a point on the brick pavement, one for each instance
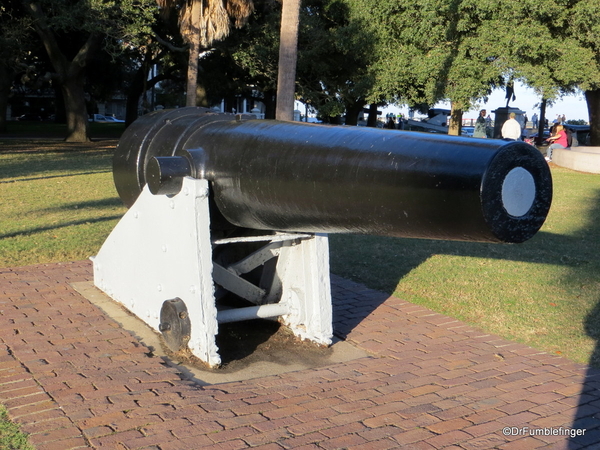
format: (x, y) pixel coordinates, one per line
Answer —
(74, 379)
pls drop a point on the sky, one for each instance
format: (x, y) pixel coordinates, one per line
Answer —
(572, 106)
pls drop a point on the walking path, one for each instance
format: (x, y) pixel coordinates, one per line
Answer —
(74, 379)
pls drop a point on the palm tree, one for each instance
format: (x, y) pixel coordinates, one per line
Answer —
(201, 23)
(288, 54)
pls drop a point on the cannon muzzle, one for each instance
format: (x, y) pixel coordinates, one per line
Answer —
(291, 176)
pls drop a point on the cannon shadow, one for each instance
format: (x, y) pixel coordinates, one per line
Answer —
(381, 263)
(588, 408)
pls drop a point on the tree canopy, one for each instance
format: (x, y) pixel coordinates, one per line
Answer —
(430, 51)
(71, 32)
(351, 53)
(459, 51)
(15, 40)
(334, 55)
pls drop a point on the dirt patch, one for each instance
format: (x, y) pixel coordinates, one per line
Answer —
(242, 344)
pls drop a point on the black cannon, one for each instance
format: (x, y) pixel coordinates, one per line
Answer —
(223, 204)
(292, 176)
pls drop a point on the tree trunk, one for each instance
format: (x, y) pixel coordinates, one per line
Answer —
(135, 91)
(542, 123)
(70, 73)
(352, 112)
(192, 72)
(593, 102)
(372, 119)
(5, 84)
(59, 105)
(137, 87)
(77, 118)
(455, 125)
(288, 54)
(270, 101)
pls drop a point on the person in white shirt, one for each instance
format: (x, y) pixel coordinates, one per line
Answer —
(511, 128)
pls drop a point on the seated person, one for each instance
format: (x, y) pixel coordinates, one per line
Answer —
(558, 140)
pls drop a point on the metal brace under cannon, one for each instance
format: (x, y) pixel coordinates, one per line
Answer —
(222, 204)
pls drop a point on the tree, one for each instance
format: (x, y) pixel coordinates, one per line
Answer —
(584, 28)
(250, 56)
(161, 58)
(334, 55)
(15, 43)
(203, 22)
(288, 55)
(143, 78)
(430, 51)
(72, 31)
(550, 46)
(532, 45)
(335, 58)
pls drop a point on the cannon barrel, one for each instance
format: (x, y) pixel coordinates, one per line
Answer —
(292, 176)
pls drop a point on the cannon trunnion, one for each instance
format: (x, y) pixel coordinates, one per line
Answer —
(242, 206)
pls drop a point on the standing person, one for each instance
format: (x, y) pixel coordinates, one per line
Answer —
(489, 129)
(559, 140)
(400, 121)
(534, 121)
(480, 125)
(511, 129)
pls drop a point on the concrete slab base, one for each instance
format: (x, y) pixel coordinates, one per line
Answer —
(582, 159)
(273, 351)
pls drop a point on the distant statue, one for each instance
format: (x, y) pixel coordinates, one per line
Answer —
(510, 92)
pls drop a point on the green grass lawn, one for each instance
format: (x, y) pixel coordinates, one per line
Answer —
(58, 200)
(59, 204)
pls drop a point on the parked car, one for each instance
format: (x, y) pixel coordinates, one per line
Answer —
(112, 119)
(100, 118)
(533, 136)
(468, 131)
(29, 117)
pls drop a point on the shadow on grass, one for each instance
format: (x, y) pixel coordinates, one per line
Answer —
(33, 130)
(355, 257)
(95, 204)
(58, 226)
(588, 408)
(47, 177)
(53, 159)
(66, 165)
(381, 262)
